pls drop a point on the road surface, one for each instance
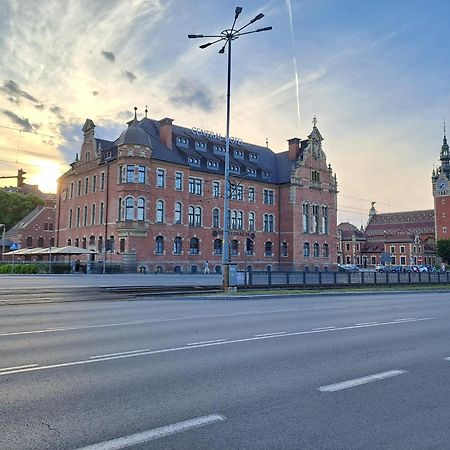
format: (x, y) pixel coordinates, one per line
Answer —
(331, 372)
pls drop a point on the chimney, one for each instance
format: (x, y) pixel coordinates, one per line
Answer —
(165, 132)
(294, 149)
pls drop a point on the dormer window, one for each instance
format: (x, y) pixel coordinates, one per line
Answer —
(234, 168)
(182, 141)
(194, 161)
(108, 154)
(239, 154)
(218, 149)
(200, 145)
(253, 156)
(251, 172)
(213, 164)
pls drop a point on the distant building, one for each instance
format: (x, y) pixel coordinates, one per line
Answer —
(441, 193)
(36, 229)
(401, 238)
(154, 197)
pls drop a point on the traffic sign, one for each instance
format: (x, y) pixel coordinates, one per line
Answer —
(14, 246)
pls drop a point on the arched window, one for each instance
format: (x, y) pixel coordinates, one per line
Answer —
(77, 242)
(160, 211)
(324, 220)
(69, 241)
(129, 208)
(178, 212)
(315, 224)
(325, 251)
(85, 220)
(100, 244)
(216, 218)
(198, 216)
(50, 226)
(306, 249)
(40, 241)
(240, 220)
(217, 246)
(93, 211)
(88, 156)
(251, 221)
(305, 218)
(194, 246)
(316, 250)
(249, 247)
(268, 224)
(191, 216)
(177, 245)
(78, 216)
(83, 242)
(92, 240)
(284, 249)
(234, 247)
(102, 212)
(141, 209)
(45, 226)
(159, 245)
(112, 245)
(268, 249)
(233, 219)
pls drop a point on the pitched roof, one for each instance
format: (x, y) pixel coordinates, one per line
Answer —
(349, 230)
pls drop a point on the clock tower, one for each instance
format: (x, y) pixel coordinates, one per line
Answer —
(441, 193)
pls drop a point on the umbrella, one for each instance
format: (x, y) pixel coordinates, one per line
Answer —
(71, 250)
(26, 251)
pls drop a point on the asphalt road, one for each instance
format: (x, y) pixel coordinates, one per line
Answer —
(329, 372)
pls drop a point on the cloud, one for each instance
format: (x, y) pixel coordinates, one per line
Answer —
(57, 111)
(40, 106)
(109, 56)
(22, 121)
(12, 88)
(189, 93)
(95, 93)
(130, 75)
(124, 115)
(13, 100)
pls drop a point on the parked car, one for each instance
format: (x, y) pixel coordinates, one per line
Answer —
(348, 268)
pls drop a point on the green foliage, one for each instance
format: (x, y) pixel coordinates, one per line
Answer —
(19, 268)
(443, 249)
(14, 206)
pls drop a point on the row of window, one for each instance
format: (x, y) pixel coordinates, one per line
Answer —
(91, 184)
(41, 242)
(314, 219)
(316, 250)
(392, 248)
(74, 220)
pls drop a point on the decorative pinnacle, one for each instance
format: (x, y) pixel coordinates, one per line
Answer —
(135, 113)
(146, 111)
(314, 121)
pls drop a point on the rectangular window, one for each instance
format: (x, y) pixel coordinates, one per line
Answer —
(347, 247)
(102, 212)
(93, 214)
(70, 218)
(79, 188)
(130, 173)
(268, 197)
(86, 186)
(179, 181)
(85, 218)
(71, 190)
(240, 193)
(373, 259)
(402, 260)
(94, 184)
(392, 249)
(195, 186)
(251, 194)
(160, 178)
(141, 174)
(216, 189)
(102, 181)
(402, 249)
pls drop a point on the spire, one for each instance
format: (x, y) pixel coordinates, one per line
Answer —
(146, 111)
(267, 142)
(135, 113)
(314, 121)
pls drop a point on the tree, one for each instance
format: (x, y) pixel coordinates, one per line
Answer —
(443, 249)
(14, 206)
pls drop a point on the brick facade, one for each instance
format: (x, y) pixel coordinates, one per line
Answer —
(155, 196)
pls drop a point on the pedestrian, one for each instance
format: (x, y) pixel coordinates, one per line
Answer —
(206, 268)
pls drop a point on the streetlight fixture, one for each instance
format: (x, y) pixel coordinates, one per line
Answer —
(227, 36)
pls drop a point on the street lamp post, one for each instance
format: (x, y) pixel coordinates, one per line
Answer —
(228, 36)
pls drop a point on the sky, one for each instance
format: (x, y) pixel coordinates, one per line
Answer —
(375, 73)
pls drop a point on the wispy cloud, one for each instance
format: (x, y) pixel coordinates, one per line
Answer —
(12, 88)
(109, 56)
(192, 94)
(23, 122)
(129, 75)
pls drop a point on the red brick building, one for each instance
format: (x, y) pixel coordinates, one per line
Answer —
(441, 193)
(154, 196)
(403, 238)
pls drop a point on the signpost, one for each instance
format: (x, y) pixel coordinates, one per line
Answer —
(13, 247)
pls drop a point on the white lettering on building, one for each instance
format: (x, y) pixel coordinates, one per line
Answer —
(214, 135)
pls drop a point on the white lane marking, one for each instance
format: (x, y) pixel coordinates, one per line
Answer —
(18, 367)
(366, 323)
(447, 359)
(275, 333)
(156, 433)
(323, 328)
(138, 322)
(120, 353)
(207, 342)
(408, 319)
(358, 381)
(189, 347)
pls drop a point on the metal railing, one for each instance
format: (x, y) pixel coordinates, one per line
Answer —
(340, 279)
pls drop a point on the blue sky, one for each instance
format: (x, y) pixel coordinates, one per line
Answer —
(375, 73)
